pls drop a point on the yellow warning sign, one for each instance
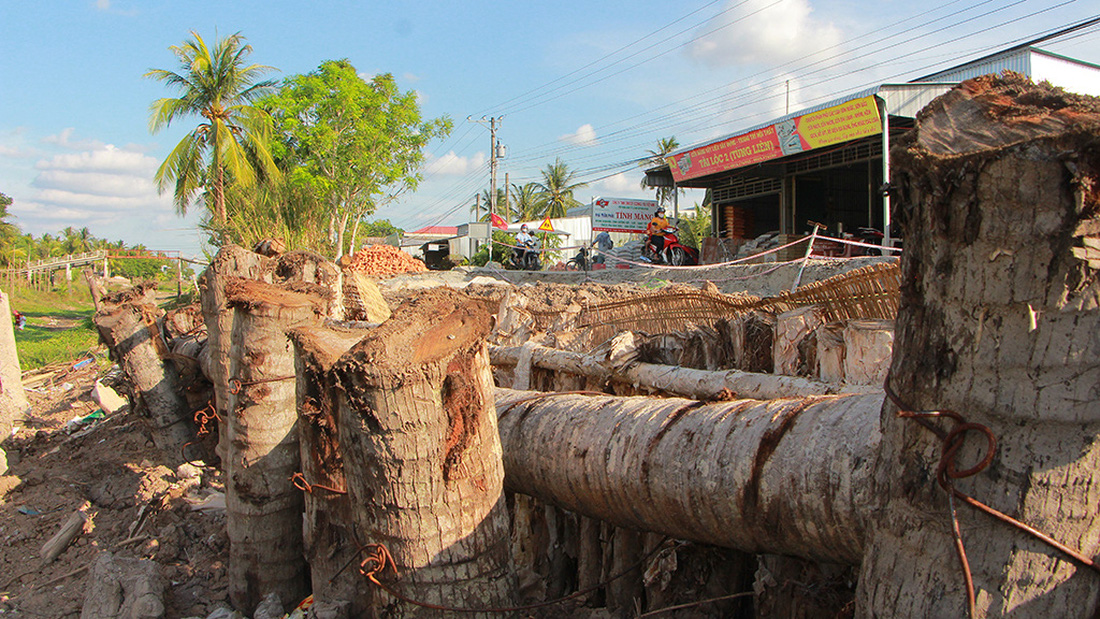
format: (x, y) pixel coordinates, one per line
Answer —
(546, 225)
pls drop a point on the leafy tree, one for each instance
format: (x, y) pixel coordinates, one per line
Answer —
(656, 157)
(231, 144)
(556, 190)
(381, 227)
(354, 144)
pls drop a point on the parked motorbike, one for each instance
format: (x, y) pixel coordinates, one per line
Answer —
(865, 235)
(527, 258)
(674, 253)
(582, 261)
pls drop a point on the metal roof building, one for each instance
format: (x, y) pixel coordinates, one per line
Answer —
(829, 162)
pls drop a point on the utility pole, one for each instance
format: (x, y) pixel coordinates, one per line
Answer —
(495, 151)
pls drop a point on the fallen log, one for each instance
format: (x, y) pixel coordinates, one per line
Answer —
(785, 476)
(686, 382)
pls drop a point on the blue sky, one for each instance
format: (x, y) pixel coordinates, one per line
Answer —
(595, 83)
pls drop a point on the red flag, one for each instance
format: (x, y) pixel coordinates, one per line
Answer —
(498, 221)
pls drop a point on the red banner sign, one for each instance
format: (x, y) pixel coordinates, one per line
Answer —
(850, 120)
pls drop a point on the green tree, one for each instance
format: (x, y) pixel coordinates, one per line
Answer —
(380, 227)
(10, 251)
(231, 144)
(354, 144)
(655, 158)
(525, 201)
(485, 203)
(556, 190)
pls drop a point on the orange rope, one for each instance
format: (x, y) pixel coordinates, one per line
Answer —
(947, 471)
(379, 558)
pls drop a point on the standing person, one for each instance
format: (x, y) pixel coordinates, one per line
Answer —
(656, 231)
(604, 244)
(20, 319)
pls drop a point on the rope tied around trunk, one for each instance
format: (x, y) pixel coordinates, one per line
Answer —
(236, 384)
(299, 481)
(378, 559)
(947, 471)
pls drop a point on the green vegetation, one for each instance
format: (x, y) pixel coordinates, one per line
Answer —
(232, 145)
(348, 145)
(59, 326)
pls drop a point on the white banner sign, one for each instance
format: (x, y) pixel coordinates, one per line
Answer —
(622, 214)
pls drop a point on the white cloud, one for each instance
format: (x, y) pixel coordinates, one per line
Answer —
(620, 184)
(103, 5)
(452, 164)
(64, 140)
(585, 135)
(106, 189)
(762, 33)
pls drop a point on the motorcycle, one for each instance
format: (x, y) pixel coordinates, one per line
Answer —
(674, 253)
(870, 236)
(581, 261)
(527, 258)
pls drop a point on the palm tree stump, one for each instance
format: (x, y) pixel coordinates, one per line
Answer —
(422, 457)
(263, 506)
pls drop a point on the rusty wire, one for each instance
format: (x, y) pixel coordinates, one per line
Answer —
(378, 558)
(299, 481)
(236, 384)
(947, 471)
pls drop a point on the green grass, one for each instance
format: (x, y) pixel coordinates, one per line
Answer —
(59, 326)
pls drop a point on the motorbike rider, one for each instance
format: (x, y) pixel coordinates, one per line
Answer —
(524, 242)
(656, 231)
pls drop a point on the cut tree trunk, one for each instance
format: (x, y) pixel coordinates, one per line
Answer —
(999, 321)
(422, 456)
(13, 401)
(230, 261)
(263, 507)
(783, 476)
(686, 382)
(129, 323)
(326, 529)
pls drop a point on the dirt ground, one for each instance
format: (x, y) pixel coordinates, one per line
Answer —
(139, 505)
(143, 505)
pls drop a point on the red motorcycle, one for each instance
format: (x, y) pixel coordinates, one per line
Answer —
(674, 253)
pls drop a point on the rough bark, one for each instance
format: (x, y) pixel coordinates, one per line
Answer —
(422, 456)
(263, 507)
(13, 401)
(230, 261)
(326, 528)
(687, 382)
(130, 324)
(1000, 322)
(784, 476)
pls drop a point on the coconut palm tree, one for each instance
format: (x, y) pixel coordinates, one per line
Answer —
(231, 143)
(656, 157)
(525, 201)
(556, 190)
